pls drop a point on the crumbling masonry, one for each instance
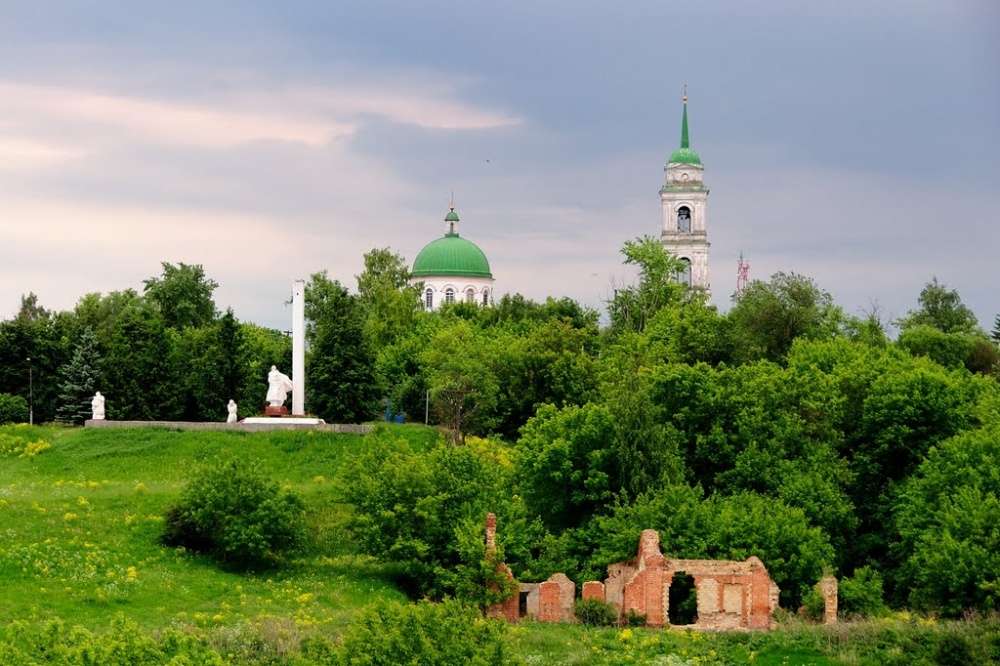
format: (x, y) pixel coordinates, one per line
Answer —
(730, 594)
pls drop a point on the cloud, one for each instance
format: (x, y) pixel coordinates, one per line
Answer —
(312, 116)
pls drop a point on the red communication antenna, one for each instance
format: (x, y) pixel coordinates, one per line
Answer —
(742, 275)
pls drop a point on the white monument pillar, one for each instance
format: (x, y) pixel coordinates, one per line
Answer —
(298, 348)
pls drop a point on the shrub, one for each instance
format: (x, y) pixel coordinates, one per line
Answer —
(13, 409)
(596, 613)
(423, 512)
(425, 633)
(231, 511)
(860, 595)
(635, 619)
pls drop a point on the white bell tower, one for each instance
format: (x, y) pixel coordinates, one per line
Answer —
(684, 199)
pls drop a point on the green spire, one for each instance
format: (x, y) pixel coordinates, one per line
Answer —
(684, 154)
(684, 125)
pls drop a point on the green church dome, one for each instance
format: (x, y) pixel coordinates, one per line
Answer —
(684, 156)
(451, 255)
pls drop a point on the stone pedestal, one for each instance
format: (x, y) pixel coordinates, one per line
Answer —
(276, 411)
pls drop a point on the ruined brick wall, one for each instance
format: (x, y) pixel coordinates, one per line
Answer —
(829, 589)
(556, 598)
(730, 594)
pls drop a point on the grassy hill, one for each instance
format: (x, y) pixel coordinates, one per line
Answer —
(80, 523)
(81, 515)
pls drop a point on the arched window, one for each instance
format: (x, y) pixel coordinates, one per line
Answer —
(684, 274)
(470, 296)
(486, 296)
(449, 295)
(684, 219)
(429, 299)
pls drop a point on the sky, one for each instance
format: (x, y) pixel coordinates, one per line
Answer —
(853, 142)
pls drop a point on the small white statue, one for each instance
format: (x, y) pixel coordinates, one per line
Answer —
(278, 386)
(231, 407)
(97, 407)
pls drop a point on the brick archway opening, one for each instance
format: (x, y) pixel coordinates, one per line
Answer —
(683, 600)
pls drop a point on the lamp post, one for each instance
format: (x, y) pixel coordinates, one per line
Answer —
(31, 393)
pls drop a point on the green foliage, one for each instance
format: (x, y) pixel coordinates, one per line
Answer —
(565, 466)
(463, 387)
(210, 363)
(137, 368)
(768, 316)
(233, 512)
(183, 294)
(632, 307)
(35, 339)
(861, 595)
(13, 409)
(79, 380)
(941, 308)
(429, 634)
(595, 613)
(974, 351)
(340, 368)
(947, 516)
(390, 304)
(424, 511)
(731, 527)
(53, 642)
(692, 332)
(995, 333)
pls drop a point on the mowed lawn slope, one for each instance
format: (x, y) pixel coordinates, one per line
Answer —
(80, 523)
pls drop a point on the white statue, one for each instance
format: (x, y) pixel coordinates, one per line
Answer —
(278, 386)
(231, 407)
(97, 407)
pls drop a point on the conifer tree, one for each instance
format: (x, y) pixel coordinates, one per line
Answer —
(995, 334)
(78, 381)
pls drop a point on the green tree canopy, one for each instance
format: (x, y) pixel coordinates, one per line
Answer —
(183, 293)
(340, 367)
(942, 308)
(768, 316)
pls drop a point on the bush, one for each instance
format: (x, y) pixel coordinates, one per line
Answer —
(596, 613)
(634, 619)
(423, 512)
(860, 595)
(946, 517)
(231, 511)
(13, 409)
(425, 633)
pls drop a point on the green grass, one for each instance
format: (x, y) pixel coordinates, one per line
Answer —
(80, 523)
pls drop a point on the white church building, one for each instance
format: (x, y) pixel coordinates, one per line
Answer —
(453, 269)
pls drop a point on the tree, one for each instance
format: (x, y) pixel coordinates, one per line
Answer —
(463, 387)
(184, 295)
(946, 518)
(419, 508)
(211, 364)
(42, 337)
(632, 307)
(546, 364)
(80, 379)
(768, 316)
(137, 368)
(340, 367)
(941, 308)
(386, 297)
(995, 334)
